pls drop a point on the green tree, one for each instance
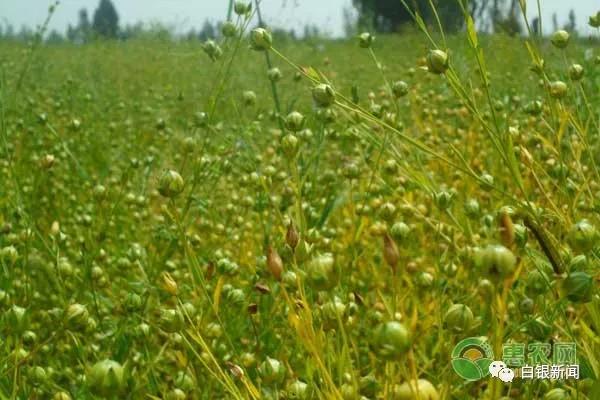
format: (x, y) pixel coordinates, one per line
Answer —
(390, 15)
(106, 20)
(571, 26)
(506, 22)
(208, 31)
(55, 37)
(84, 28)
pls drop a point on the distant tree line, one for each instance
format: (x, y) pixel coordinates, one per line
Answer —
(489, 15)
(373, 15)
(105, 25)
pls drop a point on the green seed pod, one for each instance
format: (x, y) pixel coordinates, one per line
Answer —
(527, 306)
(272, 371)
(485, 287)
(387, 211)
(37, 376)
(214, 330)
(537, 282)
(75, 124)
(9, 254)
(407, 390)
(249, 98)
(400, 231)
(351, 170)
(248, 360)
(583, 236)
(331, 311)
(289, 278)
(443, 199)
(471, 208)
(487, 182)
(100, 192)
(576, 72)
(400, 89)
(321, 271)
(390, 166)
(171, 320)
(188, 309)
(4, 298)
(227, 267)
(369, 386)
(61, 396)
(188, 144)
(539, 329)
(558, 89)
(29, 338)
(107, 378)
(142, 330)
(294, 121)
(560, 39)
(521, 235)
(376, 110)
(289, 145)
(47, 161)
(171, 184)
(242, 8)
(201, 119)
(90, 325)
(323, 95)
(76, 316)
(66, 269)
(392, 340)
(133, 302)
(534, 107)
(236, 297)
(594, 20)
(184, 381)
(176, 394)
(437, 61)
(349, 392)
(459, 318)
(229, 29)
(487, 220)
(578, 287)
(578, 263)
(425, 280)
(496, 259)
(365, 40)
(260, 39)
(557, 394)
(450, 270)
(274, 74)
(212, 49)
(297, 390)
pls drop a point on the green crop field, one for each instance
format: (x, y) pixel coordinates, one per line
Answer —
(260, 218)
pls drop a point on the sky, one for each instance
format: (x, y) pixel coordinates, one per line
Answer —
(187, 14)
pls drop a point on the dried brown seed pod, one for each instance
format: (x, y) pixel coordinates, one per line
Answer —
(390, 252)
(274, 263)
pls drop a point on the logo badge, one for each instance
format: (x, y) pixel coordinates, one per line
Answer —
(471, 358)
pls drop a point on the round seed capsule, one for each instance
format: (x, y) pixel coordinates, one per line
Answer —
(560, 39)
(437, 61)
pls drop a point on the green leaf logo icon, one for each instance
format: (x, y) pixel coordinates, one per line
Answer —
(471, 358)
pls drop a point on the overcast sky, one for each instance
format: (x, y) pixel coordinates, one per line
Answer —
(186, 14)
